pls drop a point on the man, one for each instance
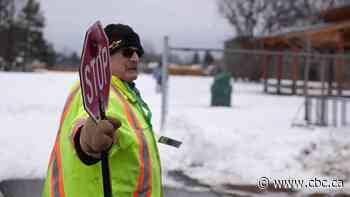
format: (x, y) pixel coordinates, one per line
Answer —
(157, 74)
(75, 167)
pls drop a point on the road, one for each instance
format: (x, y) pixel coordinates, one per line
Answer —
(33, 188)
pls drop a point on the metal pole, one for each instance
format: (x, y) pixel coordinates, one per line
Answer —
(335, 111)
(343, 112)
(306, 79)
(275, 73)
(279, 72)
(265, 69)
(326, 111)
(318, 111)
(323, 91)
(164, 87)
(294, 71)
(339, 63)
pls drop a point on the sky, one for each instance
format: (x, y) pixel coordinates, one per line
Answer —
(195, 23)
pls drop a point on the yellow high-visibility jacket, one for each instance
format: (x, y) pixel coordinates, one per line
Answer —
(135, 168)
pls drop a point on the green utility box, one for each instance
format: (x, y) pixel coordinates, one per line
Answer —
(221, 90)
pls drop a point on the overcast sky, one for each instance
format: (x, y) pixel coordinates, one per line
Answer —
(193, 23)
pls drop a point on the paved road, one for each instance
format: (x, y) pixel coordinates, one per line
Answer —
(33, 188)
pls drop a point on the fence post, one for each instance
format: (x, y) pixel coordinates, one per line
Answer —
(279, 72)
(335, 112)
(343, 112)
(323, 91)
(295, 73)
(265, 71)
(339, 63)
(318, 110)
(306, 79)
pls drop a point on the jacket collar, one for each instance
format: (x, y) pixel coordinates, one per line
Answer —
(122, 87)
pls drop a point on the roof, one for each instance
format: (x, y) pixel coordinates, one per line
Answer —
(336, 14)
(334, 30)
(325, 35)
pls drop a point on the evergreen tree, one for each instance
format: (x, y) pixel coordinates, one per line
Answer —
(7, 29)
(49, 55)
(196, 58)
(208, 59)
(6, 12)
(32, 22)
(75, 59)
(21, 34)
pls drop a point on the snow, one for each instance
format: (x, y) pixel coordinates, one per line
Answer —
(221, 145)
(29, 114)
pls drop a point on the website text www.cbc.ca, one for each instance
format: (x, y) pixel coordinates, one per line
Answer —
(295, 184)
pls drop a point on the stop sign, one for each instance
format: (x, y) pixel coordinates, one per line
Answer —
(95, 72)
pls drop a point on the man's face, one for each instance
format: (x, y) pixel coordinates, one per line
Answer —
(124, 64)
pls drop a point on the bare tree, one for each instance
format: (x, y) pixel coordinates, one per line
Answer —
(243, 15)
(250, 18)
(295, 13)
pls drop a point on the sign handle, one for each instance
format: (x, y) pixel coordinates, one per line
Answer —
(107, 188)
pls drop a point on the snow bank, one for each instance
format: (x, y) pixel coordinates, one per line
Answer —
(251, 139)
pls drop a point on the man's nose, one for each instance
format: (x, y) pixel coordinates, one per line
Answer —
(135, 57)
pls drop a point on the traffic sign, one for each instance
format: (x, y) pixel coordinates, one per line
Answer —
(95, 72)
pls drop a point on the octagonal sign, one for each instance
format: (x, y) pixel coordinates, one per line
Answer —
(95, 72)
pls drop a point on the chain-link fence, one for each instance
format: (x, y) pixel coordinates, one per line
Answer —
(322, 78)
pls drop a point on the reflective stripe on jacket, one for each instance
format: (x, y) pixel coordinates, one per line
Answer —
(134, 160)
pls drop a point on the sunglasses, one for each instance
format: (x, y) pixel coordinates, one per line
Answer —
(128, 52)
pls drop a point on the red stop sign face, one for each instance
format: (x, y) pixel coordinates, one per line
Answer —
(95, 71)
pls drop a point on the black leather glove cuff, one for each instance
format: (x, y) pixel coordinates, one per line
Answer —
(85, 158)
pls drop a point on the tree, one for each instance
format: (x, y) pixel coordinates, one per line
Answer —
(21, 34)
(250, 18)
(75, 59)
(32, 22)
(49, 55)
(31, 16)
(7, 26)
(150, 54)
(293, 13)
(69, 59)
(243, 15)
(6, 11)
(208, 59)
(177, 59)
(196, 58)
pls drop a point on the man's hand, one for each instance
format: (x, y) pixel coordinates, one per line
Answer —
(95, 138)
